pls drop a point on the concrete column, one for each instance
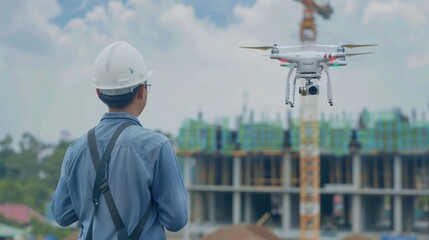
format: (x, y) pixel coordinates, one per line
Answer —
(397, 214)
(397, 173)
(236, 212)
(357, 209)
(286, 197)
(286, 170)
(248, 208)
(187, 181)
(357, 205)
(356, 171)
(247, 171)
(212, 207)
(187, 230)
(236, 182)
(198, 207)
(397, 200)
(286, 213)
(187, 172)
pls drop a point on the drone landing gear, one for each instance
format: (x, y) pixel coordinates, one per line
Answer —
(291, 104)
(290, 95)
(329, 86)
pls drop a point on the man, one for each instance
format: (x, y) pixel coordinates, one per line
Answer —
(142, 174)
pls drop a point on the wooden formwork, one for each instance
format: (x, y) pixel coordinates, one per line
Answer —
(417, 168)
(261, 169)
(336, 169)
(377, 171)
(213, 170)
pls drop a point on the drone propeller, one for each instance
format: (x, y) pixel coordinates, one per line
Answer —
(260, 47)
(345, 45)
(354, 54)
(358, 45)
(264, 48)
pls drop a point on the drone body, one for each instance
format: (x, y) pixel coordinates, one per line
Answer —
(309, 66)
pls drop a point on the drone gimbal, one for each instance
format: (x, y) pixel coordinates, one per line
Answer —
(310, 88)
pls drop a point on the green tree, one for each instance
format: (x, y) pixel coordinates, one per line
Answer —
(6, 144)
(20, 179)
(11, 222)
(24, 178)
(32, 193)
(36, 194)
(39, 228)
(30, 143)
(51, 166)
(11, 191)
(5, 151)
(21, 166)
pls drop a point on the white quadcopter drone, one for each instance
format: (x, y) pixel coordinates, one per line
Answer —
(309, 66)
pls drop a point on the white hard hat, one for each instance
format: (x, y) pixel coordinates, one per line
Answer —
(118, 69)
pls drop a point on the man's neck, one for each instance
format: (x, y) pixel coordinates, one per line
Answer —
(127, 110)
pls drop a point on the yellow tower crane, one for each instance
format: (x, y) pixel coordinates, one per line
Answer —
(309, 155)
(308, 31)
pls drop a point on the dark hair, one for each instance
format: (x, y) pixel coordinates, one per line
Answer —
(119, 101)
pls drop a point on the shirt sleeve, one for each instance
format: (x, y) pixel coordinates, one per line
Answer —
(61, 205)
(169, 191)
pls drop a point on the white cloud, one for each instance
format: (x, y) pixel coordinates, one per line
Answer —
(414, 12)
(403, 26)
(197, 65)
(418, 59)
(42, 10)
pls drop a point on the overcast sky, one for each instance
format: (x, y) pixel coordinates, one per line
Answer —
(48, 47)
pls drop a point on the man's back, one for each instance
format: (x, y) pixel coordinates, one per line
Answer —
(143, 167)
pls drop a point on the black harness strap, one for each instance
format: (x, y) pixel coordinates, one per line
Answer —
(140, 226)
(101, 185)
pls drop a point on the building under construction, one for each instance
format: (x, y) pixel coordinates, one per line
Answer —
(374, 178)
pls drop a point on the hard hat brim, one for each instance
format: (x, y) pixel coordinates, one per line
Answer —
(120, 90)
(142, 80)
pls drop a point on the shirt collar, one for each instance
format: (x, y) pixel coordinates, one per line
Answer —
(115, 116)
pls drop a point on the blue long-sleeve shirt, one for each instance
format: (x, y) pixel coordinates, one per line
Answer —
(143, 167)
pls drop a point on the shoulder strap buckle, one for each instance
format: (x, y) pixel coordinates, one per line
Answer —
(104, 186)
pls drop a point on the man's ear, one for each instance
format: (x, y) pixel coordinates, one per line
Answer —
(141, 92)
(98, 91)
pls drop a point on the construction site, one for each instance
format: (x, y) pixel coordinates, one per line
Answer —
(374, 179)
(308, 178)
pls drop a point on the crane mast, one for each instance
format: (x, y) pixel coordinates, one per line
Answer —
(309, 162)
(309, 154)
(308, 31)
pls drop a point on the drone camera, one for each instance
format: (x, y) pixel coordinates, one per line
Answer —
(309, 90)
